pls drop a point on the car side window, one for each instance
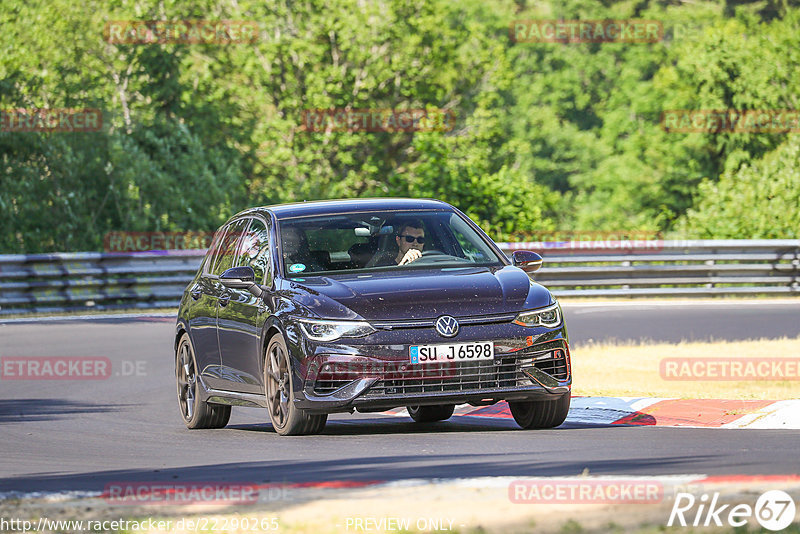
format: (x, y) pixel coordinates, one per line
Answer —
(213, 250)
(255, 251)
(228, 246)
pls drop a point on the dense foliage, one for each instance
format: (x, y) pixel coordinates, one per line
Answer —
(547, 136)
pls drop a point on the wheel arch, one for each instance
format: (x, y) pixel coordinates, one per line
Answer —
(272, 326)
(180, 329)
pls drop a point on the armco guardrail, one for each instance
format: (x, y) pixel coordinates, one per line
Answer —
(669, 268)
(86, 281)
(94, 281)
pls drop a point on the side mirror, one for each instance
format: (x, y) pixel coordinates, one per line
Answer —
(528, 261)
(241, 278)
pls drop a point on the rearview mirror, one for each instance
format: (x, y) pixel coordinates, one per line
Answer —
(528, 261)
(241, 278)
(373, 230)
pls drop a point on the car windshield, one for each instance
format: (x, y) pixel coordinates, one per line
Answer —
(381, 241)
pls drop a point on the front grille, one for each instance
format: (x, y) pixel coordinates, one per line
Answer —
(429, 323)
(400, 378)
(554, 363)
(467, 376)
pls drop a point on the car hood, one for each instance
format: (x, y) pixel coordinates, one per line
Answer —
(419, 294)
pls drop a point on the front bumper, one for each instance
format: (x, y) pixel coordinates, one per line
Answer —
(352, 399)
(370, 377)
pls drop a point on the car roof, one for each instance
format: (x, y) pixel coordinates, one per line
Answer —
(330, 207)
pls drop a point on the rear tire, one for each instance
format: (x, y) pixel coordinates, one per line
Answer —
(286, 418)
(195, 412)
(540, 414)
(429, 414)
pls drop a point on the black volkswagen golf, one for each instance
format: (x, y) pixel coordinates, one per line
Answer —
(319, 307)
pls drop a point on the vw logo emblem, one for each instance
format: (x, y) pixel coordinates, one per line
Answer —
(447, 326)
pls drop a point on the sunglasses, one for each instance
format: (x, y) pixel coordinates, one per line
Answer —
(411, 238)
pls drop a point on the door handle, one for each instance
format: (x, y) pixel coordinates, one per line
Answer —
(223, 301)
(196, 294)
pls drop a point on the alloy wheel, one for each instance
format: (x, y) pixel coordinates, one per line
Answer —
(278, 385)
(187, 380)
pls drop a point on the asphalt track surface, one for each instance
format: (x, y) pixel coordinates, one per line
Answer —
(81, 435)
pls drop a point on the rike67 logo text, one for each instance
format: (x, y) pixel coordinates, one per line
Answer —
(774, 510)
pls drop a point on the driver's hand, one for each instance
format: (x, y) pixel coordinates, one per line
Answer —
(411, 255)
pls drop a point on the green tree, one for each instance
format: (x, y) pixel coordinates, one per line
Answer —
(760, 200)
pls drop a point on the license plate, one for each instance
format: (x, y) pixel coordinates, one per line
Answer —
(458, 352)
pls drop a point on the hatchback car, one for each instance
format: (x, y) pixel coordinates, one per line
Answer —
(314, 308)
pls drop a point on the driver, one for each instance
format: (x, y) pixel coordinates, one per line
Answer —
(410, 240)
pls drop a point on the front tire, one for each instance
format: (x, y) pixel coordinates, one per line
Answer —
(195, 412)
(540, 414)
(429, 414)
(286, 418)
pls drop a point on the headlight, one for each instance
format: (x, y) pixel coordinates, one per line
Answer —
(549, 317)
(322, 330)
